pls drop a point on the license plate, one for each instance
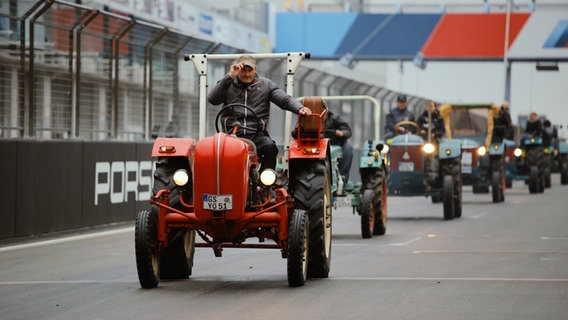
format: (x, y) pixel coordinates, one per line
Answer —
(406, 166)
(467, 158)
(466, 162)
(218, 202)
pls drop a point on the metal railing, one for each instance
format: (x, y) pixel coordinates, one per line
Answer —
(68, 71)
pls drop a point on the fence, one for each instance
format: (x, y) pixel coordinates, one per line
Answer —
(70, 71)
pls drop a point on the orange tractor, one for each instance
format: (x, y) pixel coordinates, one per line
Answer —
(212, 188)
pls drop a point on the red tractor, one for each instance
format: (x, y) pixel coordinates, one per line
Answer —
(213, 188)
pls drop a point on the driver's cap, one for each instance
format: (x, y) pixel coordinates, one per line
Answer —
(247, 60)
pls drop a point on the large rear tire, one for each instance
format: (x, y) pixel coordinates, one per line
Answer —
(312, 193)
(448, 197)
(298, 235)
(381, 207)
(176, 260)
(367, 212)
(147, 249)
(376, 180)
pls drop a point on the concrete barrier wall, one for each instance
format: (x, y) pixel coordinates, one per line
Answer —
(57, 185)
(51, 185)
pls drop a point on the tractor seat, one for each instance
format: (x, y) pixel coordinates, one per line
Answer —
(312, 126)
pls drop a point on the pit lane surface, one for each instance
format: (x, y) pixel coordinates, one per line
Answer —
(499, 261)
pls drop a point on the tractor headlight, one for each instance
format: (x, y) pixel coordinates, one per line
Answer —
(385, 149)
(181, 177)
(518, 152)
(481, 151)
(428, 148)
(268, 177)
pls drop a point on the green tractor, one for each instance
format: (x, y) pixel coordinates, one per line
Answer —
(368, 198)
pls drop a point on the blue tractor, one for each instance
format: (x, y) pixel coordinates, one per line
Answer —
(483, 146)
(419, 167)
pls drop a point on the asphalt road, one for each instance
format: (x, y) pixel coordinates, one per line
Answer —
(499, 261)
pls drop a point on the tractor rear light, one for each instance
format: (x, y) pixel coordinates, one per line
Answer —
(167, 149)
(181, 177)
(311, 151)
(518, 152)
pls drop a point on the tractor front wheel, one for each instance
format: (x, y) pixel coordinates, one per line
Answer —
(147, 249)
(534, 179)
(448, 197)
(298, 235)
(564, 173)
(367, 212)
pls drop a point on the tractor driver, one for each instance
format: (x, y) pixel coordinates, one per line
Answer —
(435, 122)
(244, 86)
(396, 115)
(338, 131)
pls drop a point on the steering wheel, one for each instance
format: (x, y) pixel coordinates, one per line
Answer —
(232, 116)
(403, 123)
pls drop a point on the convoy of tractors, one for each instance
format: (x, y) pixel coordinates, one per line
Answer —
(209, 192)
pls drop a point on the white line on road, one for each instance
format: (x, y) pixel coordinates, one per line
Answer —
(404, 243)
(477, 216)
(439, 280)
(449, 279)
(67, 239)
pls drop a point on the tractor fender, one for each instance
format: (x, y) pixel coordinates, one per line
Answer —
(172, 147)
(449, 149)
(315, 150)
(497, 149)
(562, 148)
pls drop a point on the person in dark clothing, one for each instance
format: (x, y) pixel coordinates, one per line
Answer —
(549, 133)
(338, 131)
(534, 126)
(432, 120)
(396, 115)
(244, 86)
(503, 119)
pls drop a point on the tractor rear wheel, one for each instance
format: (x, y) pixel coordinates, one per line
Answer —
(298, 235)
(376, 180)
(176, 260)
(448, 197)
(147, 249)
(381, 207)
(367, 212)
(312, 193)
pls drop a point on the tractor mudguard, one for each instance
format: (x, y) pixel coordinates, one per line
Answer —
(562, 148)
(315, 150)
(497, 149)
(449, 149)
(172, 147)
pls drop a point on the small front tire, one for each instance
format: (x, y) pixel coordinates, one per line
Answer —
(147, 249)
